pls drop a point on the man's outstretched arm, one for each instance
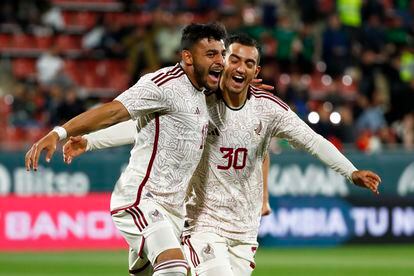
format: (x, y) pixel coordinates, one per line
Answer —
(89, 121)
(300, 135)
(114, 136)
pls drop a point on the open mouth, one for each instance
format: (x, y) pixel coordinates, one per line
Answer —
(214, 73)
(238, 79)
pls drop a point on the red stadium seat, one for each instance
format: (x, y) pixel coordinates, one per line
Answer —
(68, 42)
(43, 42)
(79, 19)
(34, 134)
(85, 19)
(119, 82)
(109, 67)
(23, 41)
(5, 110)
(90, 65)
(23, 68)
(90, 80)
(5, 41)
(14, 135)
(74, 70)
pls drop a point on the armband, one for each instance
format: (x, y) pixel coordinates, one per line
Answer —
(61, 132)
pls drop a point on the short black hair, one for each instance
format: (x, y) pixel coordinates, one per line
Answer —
(193, 33)
(245, 40)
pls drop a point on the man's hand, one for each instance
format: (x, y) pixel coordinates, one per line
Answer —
(266, 209)
(258, 84)
(48, 143)
(75, 146)
(366, 179)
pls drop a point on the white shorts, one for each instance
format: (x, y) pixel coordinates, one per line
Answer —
(149, 230)
(212, 255)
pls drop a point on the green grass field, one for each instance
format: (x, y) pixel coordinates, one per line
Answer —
(349, 261)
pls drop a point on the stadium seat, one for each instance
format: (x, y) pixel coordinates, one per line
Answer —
(14, 137)
(85, 19)
(23, 41)
(74, 70)
(5, 40)
(23, 68)
(91, 81)
(79, 19)
(119, 82)
(34, 134)
(43, 42)
(68, 42)
(117, 65)
(5, 110)
(89, 66)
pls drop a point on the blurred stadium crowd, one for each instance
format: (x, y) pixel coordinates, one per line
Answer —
(345, 66)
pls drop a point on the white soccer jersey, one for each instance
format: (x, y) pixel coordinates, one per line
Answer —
(172, 120)
(226, 196)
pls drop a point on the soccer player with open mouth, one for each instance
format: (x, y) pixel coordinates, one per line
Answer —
(225, 197)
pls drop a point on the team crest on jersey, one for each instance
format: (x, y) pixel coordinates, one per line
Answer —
(208, 253)
(259, 128)
(156, 216)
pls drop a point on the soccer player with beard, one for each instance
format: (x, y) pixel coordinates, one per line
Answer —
(225, 197)
(169, 107)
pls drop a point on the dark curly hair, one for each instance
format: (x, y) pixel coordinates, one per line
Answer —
(193, 33)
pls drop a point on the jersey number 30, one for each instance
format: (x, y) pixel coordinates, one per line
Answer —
(236, 158)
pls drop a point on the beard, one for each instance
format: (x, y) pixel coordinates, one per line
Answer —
(199, 72)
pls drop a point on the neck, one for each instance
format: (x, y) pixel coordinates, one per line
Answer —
(189, 71)
(233, 100)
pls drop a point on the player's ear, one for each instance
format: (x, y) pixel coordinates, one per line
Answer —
(258, 68)
(187, 57)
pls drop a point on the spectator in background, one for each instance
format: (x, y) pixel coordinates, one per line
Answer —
(349, 12)
(287, 44)
(112, 40)
(141, 51)
(297, 95)
(306, 56)
(8, 11)
(232, 19)
(372, 117)
(372, 34)
(402, 93)
(396, 33)
(252, 22)
(23, 107)
(368, 67)
(407, 64)
(167, 39)
(309, 11)
(53, 18)
(346, 129)
(92, 39)
(269, 73)
(313, 31)
(372, 7)
(49, 67)
(405, 10)
(335, 47)
(54, 100)
(21, 14)
(70, 107)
